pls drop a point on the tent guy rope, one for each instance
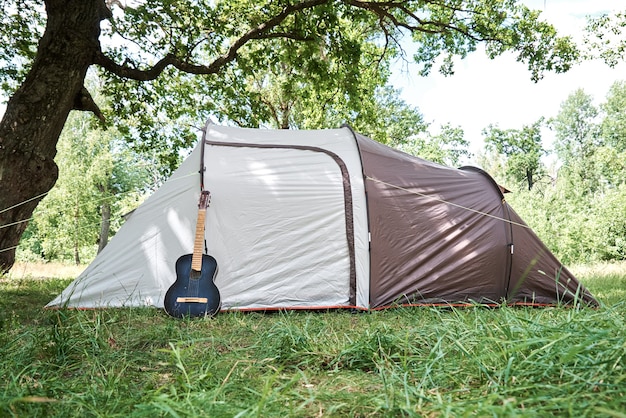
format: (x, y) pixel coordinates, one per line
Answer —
(44, 194)
(367, 177)
(447, 202)
(23, 203)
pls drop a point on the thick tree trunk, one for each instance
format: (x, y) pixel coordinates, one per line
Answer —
(36, 114)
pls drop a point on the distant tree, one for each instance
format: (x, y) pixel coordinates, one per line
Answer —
(577, 138)
(613, 127)
(286, 94)
(446, 147)
(493, 163)
(591, 226)
(612, 156)
(605, 38)
(67, 220)
(387, 118)
(576, 127)
(522, 148)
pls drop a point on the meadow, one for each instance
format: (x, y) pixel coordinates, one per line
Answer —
(413, 362)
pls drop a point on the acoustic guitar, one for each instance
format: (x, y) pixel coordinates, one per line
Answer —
(194, 293)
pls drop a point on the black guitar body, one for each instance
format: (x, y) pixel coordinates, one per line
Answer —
(194, 293)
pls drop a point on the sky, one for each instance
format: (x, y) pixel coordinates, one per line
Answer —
(500, 91)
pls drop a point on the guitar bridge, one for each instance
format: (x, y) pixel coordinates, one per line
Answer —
(191, 300)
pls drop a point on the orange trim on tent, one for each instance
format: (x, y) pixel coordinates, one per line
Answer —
(359, 308)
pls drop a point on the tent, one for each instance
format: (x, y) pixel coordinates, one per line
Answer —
(327, 219)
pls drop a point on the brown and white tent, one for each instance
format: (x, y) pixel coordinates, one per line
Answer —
(327, 219)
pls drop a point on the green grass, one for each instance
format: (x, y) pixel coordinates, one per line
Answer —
(518, 362)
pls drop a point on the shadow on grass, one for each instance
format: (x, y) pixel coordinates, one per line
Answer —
(23, 300)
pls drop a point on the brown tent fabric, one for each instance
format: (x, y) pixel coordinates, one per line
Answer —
(445, 235)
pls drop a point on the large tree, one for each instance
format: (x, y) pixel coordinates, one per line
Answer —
(142, 46)
(577, 139)
(576, 127)
(613, 127)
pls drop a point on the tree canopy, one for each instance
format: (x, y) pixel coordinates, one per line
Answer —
(184, 60)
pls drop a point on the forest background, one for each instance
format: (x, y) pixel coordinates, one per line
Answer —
(572, 192)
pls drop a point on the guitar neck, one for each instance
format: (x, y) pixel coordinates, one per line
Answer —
(196, 260)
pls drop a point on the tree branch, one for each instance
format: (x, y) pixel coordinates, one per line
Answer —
(84, 102)
(258, 32)
(384, 11)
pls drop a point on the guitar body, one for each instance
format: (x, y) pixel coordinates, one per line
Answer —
(194, 293)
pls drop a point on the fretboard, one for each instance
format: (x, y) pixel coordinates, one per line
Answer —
(196, 260)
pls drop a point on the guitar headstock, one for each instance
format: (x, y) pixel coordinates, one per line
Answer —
(205, 199)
